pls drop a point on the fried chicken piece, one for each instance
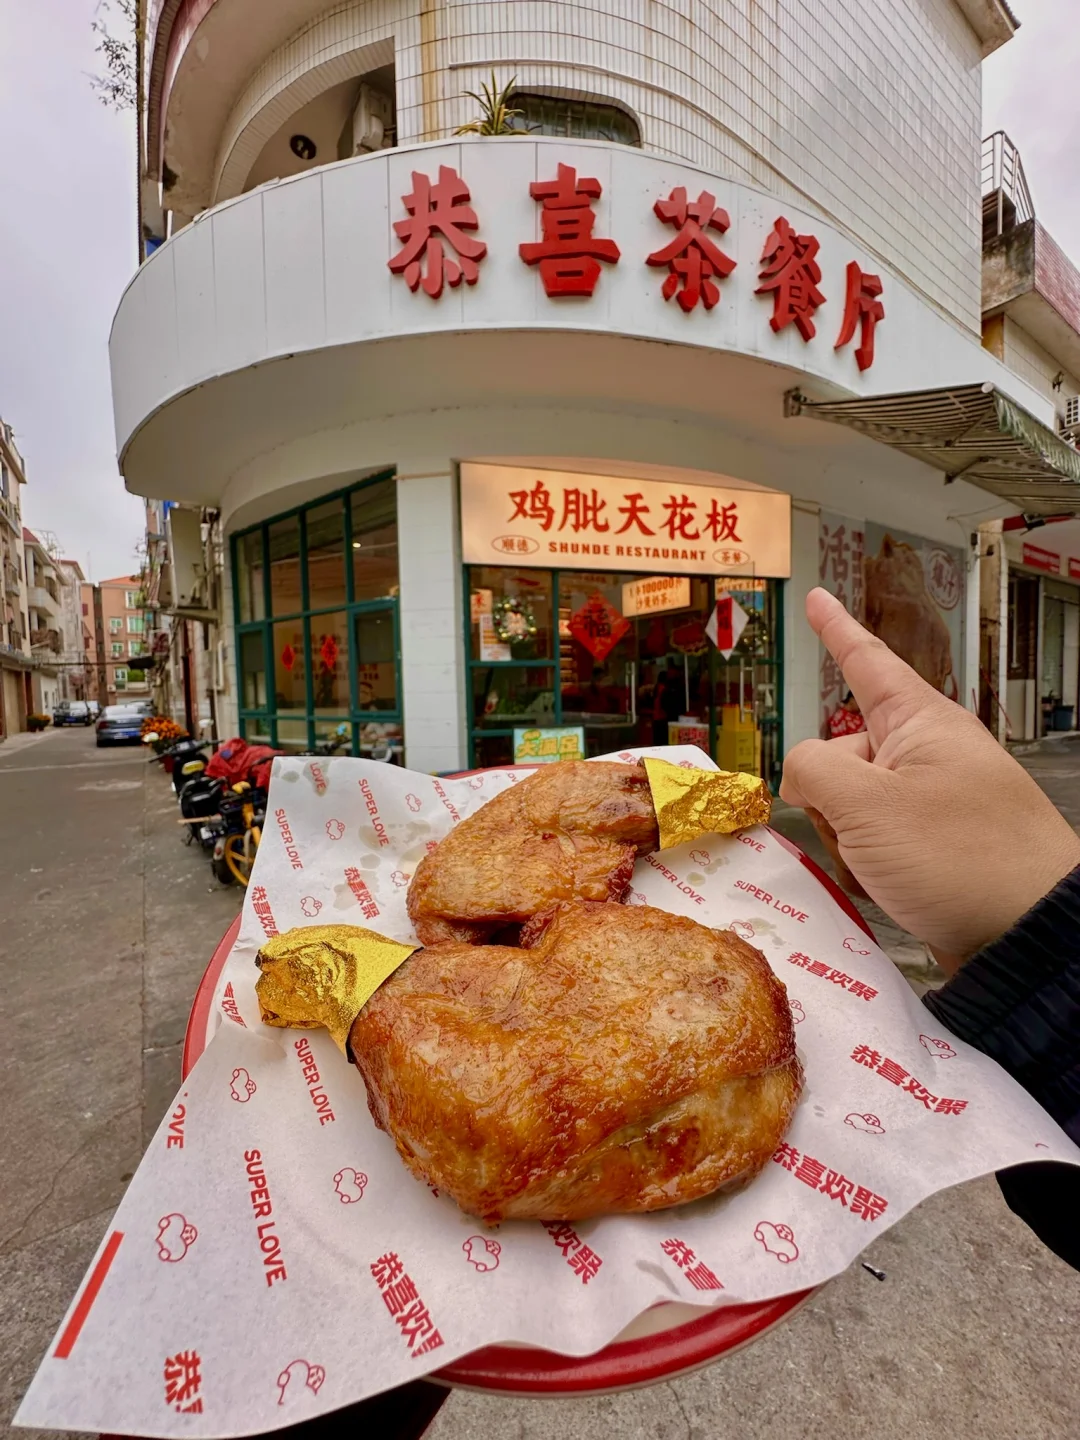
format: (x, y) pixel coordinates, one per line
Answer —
(571, 830)
(631, 1060)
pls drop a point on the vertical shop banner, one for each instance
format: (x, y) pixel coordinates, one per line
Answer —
(841, 543)
(914, 589)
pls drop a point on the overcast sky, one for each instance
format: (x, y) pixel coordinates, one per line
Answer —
(67, 242)
(67, 248)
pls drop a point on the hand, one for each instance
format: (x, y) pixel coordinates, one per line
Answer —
(933, 819)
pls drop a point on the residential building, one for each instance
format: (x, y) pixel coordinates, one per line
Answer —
(115, 616)
(1030, 565)
(468, 435)
(45, 609)
(16, 697)
(75, 678)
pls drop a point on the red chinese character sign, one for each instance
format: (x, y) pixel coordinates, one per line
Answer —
(598, 626)
(695, 261)
(569, 255)
(437, 251)
(439, 215)
(790, 273)
(862, 311)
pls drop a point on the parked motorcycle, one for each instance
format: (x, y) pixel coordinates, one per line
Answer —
(186, 757)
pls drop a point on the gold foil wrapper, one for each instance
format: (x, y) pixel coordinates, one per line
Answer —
(324, 975)
(690, 803)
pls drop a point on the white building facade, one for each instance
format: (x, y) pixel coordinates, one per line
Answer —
(486, 428)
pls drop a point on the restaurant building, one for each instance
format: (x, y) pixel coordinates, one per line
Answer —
(524, 443)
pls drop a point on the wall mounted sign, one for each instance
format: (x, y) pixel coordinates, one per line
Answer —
(655, 595)
(1040, 559)
(555, 518)
(436, 251)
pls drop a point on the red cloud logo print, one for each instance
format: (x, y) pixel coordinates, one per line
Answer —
(349, 1184)
(175, 1237)
(481, 1253)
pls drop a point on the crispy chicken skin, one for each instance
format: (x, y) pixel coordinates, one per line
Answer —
(631, 1060)
(568, 831)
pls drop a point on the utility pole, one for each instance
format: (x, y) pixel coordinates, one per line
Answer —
(99, 642)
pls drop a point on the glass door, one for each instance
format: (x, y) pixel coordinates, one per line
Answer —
(598, 661)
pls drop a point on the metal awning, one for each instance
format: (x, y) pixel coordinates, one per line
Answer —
(972, 433)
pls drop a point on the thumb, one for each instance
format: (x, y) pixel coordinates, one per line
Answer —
(831, 776)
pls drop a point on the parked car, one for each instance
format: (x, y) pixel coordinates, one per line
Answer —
(72, 712)
(94, 706)
(120, 725)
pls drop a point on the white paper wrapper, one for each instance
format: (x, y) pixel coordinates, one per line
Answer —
(248, 1290)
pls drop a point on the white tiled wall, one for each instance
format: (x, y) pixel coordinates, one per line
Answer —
(868, 109)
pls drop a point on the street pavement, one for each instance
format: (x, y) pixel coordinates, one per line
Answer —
(107, 923)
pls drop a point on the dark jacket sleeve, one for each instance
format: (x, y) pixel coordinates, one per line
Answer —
(1018, 1001)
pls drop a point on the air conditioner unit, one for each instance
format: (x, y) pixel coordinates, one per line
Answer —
(372, 119)
(1071, 424)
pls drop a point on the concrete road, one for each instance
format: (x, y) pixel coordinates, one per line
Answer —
(107, 923)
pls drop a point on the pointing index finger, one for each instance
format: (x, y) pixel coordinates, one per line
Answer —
(888, 690)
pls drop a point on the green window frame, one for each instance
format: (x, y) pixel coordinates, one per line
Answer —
(265, 721)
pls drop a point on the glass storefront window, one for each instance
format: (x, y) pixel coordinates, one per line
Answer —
(330, 663)
(513, 695)
(326, 555)
(327, 654)
(283, 537)
(253, 671)
(292, 734)
(632, 665)
(510, 614)
(375, 541)
(250, 577)
(290, 686)
(376, 654)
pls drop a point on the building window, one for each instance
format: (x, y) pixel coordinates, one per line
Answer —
(116, 624)
(118, 647)
(316, 604)
(135, 624)
(135, 647)
(131, 599)
(573, 119)
(120, 677)
(86, 609)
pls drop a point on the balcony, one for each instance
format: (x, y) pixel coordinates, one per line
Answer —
(45, 640)
(9, 513)
(12, 581)
(39, 598)
(1025, 273)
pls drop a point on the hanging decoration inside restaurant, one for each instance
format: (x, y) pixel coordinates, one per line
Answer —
(689, 639)
(726, 625)
(328, 650)
(598, 626)
(512, 620)
(288, 657)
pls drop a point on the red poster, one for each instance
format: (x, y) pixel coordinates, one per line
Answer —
(1074, 569)
(1040, 559)
(598, 626)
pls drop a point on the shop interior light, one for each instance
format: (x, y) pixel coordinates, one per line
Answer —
(357, 544)
(303, 147)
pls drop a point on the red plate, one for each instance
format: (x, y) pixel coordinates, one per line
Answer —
(668, 1340)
